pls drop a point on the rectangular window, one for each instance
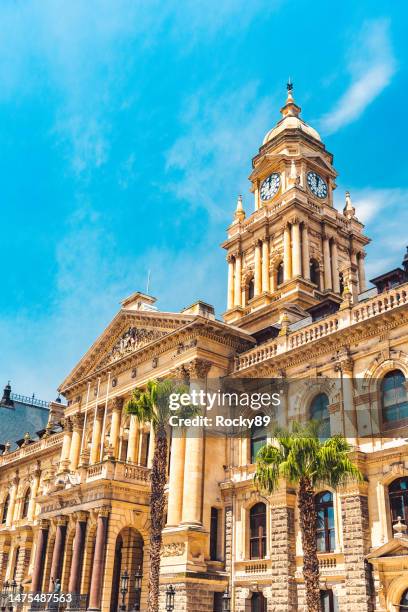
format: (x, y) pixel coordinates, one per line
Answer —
(214, 534)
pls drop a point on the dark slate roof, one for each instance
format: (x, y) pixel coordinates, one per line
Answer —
(21, 415)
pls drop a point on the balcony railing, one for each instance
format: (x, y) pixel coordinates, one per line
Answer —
(118, 470)
(31, 449)
(373, 307)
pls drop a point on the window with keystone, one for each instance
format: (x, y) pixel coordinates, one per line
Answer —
(257, 526)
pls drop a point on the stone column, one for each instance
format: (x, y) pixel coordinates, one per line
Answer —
(356, 538)
(265, 264)
(133, 439)
(193, 468)
(296, 253)
(152, 445)
(350, 415)
(95, 591)
(283, 596)
(335, 268)
(96, 437)
(75, 449)
(176, 480)
(40, 552)
(58, 552)
(230, 303)
(66, 445)
(305, 253)
(258, 271)
(12, 503)
(287, 254)
(237, 290)
(326, 263)
(115, 425)
(361, 273)
(74, 585)
(34, 490)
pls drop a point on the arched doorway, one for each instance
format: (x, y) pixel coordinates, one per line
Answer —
(128, 557)
(404, 602)
(258, 603)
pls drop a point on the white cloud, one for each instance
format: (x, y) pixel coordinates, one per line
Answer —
(371, 67)
(221, 135)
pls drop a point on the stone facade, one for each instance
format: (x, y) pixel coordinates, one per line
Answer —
(298, 310)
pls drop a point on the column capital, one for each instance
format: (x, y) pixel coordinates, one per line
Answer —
(43, 523)
(66, 424)
(102, 512)
(117, 404)
(60, 521)
(181, 372)
(199, 368)
(77, 421)
(81, 516)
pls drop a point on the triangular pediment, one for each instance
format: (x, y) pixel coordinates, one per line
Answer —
(129, 331)
(396, 547)
(321, 162)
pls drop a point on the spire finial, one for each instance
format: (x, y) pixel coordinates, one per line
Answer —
(349, 211)
(290, 108)
(239, 211)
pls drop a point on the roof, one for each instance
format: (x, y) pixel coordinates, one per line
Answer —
(20, 415)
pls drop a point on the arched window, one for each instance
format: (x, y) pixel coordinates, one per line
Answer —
(5, 510)
(314, 272)
(319, 411)
(258, 602)
(398, 496)
(394, 397)
(257, 527)
(325, 522)
(279, 274)
(341, 282)
(251, 289)
(404, 602)
(26, 503)
(258, 440)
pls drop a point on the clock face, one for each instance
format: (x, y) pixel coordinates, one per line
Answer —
(317, 185)
(270, 186)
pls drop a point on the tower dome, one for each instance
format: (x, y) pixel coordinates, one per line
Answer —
(291, 120)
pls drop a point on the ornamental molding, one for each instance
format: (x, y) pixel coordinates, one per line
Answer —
(174, 549)
(132, 339)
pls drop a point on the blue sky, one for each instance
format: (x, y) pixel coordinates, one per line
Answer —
(127, 131)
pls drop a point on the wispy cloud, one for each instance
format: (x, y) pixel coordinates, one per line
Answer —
(371, 66)
(221, 134)
(385, 214)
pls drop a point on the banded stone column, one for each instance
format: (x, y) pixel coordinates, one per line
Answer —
(361, 272)
(96, 436)
(265, 264)
(230, 303)
(115, 425)
(356, 541)
(287, 254)
(74, 585)
(95, 592)
(58, 551)
(66, 445)
(237, 280)
(296, 253)
(133, 439)
(305, 252)
(193, 468)
(335, 267)
(258, 270)
(40, 552)
(75, 449)
(283, 596)
(326, 263)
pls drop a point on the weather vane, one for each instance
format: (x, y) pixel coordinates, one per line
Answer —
(289, 85)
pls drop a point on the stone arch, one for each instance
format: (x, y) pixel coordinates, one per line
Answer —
(305, 391)
(395, 591)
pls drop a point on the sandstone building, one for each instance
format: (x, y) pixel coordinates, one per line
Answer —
(74, 502)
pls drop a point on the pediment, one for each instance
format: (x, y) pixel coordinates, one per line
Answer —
(396, 547)
(129, 332)
(321, 162)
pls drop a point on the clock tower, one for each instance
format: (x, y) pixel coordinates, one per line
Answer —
(296, 253)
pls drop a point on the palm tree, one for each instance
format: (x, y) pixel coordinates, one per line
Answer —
(303, 459)
(152, 406)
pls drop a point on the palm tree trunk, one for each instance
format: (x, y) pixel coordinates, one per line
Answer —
(308, 526)
(157, 513)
